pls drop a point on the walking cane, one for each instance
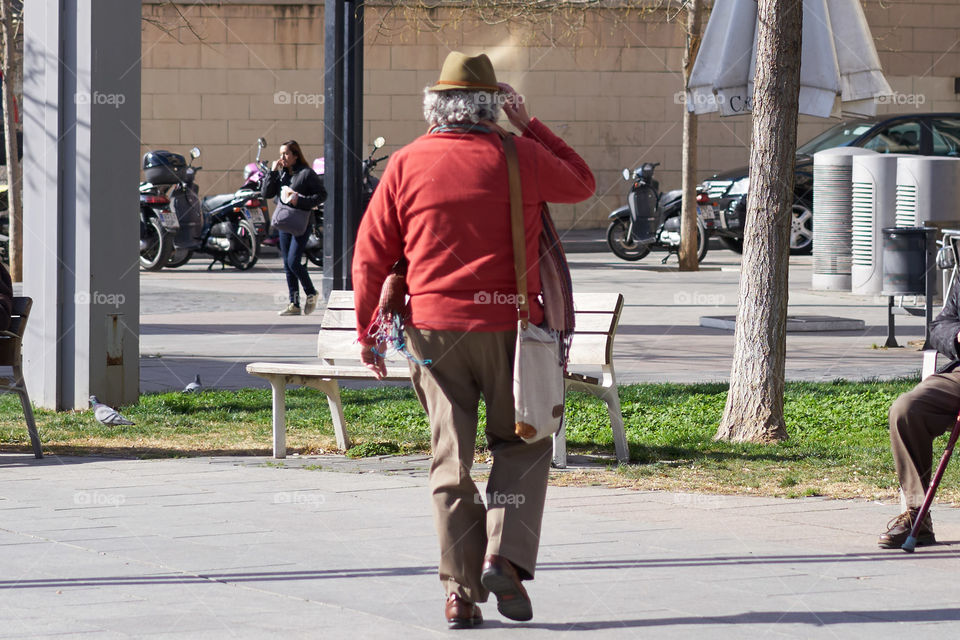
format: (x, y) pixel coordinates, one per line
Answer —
(911, 541)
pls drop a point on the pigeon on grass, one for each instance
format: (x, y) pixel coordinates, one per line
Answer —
(107, 415)
(194, 386)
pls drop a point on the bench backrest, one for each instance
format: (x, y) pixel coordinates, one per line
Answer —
(597, 317)
(10, 343)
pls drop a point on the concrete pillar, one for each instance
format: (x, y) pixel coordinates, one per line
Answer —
(81, 232)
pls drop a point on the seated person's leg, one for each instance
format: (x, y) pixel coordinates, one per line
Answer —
(916, 419)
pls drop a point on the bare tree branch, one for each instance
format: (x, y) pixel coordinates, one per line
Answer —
(173, 30)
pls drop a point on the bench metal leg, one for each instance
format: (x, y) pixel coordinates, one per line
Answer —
(612, 399)
(332, 390)
(560, 445)
(31, 422)
(611, 396)
(606, 392)
(279, 388)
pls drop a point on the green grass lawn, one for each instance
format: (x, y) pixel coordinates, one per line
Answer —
(838, 442)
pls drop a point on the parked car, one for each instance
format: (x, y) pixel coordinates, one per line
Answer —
(929, 134)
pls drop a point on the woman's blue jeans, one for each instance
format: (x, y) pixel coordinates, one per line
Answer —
(291, 252)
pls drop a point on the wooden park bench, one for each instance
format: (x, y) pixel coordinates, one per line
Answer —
(598, 315)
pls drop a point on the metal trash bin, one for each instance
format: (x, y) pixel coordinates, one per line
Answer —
(906, 260)
(908, 270)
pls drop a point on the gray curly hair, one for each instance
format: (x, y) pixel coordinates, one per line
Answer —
(460, 107)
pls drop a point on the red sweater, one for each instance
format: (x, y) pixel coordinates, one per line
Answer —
(443, 202)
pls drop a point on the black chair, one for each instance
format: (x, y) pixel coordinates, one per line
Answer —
(10, 342)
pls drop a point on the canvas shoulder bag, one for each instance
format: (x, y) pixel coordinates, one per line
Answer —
(539, 359)
(290, 219)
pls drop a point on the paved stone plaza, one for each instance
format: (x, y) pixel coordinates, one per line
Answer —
(230, 548)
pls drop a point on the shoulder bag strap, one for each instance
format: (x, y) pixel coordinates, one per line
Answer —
(516, 227)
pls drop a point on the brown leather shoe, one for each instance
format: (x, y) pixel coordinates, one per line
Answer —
(899, 528)
(461, 613)
(500, 577)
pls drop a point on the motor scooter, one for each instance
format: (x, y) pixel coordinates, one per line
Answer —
(314, 248)
(170, 216)
(233, 226)
(651, 219)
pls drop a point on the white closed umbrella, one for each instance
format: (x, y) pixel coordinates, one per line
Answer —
(839, 67)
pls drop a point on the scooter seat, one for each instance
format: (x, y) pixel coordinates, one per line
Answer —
(215, 202)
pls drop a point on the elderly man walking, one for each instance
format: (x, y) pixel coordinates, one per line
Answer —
(443, 205)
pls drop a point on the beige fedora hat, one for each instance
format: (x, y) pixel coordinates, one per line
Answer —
(461, 71)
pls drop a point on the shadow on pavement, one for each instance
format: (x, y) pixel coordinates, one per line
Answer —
(236, 329)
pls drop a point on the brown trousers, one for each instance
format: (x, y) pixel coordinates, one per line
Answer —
(465, 366)
(916, 419)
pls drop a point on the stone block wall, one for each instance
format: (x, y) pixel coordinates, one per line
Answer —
(611, 86)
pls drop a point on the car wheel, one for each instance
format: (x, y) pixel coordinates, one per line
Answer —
(734, 244)
(801, 229)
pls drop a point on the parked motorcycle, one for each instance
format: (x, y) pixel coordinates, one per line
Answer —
(652, 219)
(314, 249)
(233, 225)
(170, 215)
(4, 225)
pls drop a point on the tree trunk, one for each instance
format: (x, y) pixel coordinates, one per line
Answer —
(14, 210)
(688, 217)
(754, 410)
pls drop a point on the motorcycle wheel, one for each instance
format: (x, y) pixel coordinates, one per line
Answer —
(246, 246)
(179, 258)
(315, 254)
(622, 247)
(703, 242)
(159, 249)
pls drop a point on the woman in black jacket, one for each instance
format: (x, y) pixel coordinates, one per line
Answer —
(295, 183)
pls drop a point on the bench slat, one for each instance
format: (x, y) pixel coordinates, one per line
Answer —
(339, 319)
(590, 322)
(338, 344)
(323, 371)
(340, 300)
(593, 322)
(597, 315)
(605, 302)
(589, 349)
